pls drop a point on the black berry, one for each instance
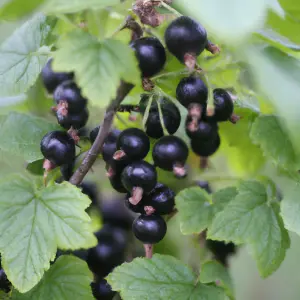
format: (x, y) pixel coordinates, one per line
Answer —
(205, 185)
(67, 171)
(223, 105)
(138, 208)
(139, 177)
(90, 189)
(134, 143)
(185, 36)
(74, 120)
(69, 94)
(58, 147)
(161, 198)
(149, 229)
(111, 137)
(5, 284)
(205, 148)
(102, 290)
(150, 54)
(201, 130)
(51, 79)
(170, 153)
(116, 183)
(191, 90)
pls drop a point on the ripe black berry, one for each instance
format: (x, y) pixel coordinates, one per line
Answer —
(171, 117)
(161, 198)
(67, 171)
(149, 229)
(109, 252)
(102, 290)
(69, 93)
(185, 36)
(111, 137)
(223, 105)
(138, 208)
(133, 143)
(74, 120)
(5, 284)
(206, 148)
(139, 177)
(170, 153)
(58, 147)
(201, 130)
(150, 54)
(51, 79)
(116, 183)
(221, 250)
(191, 90)
(90, 189)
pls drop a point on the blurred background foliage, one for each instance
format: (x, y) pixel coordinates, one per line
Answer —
(259, 62)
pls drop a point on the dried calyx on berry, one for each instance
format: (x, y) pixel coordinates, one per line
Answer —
(170, 153)
(201, 130)
(74, 120)
(51, 79)
(139, 178)
(170, 115)
(150, 54)
(186, 39)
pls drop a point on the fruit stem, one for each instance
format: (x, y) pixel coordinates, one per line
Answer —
(137, 195)
(179, 170)
(169, 8)
(132, 25)
(212, 48)
(203, 162)
(210, 110)
(161, 118)
(92, 154)
(170, 74)
(148, 250)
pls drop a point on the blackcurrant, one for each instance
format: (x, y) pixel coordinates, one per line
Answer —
(67, 171)
(5, 284)
(204, 185)
(149, 229)
(150, 54)
(161, 198)
(139, 177)
(201, 130)
(115, 213)
(206, 148)
(102, 290)
(170, 153)
(133, 143)
(191, 90)
(51, 79)
(185, 36)
(81, 253)
(109, 252)
(70, 94)
(138, 208)
(221, 250)
(58, 147)
(111, 137)
(116, 183)
(223, 105)
(74, 120)
(90, 189)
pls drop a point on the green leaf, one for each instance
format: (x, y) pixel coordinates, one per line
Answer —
(73, 6)
(230, 20)
(196, 209)
(23, 55)
(212, 272)
(99, 65)
(34, 221)
(13, 9)
(162, 277)
(250, 218)
(268, 132)
(36, 167)
(69, 278)
(21, 135)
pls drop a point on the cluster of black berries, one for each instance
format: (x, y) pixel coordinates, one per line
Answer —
(71, 111)
(5, 284)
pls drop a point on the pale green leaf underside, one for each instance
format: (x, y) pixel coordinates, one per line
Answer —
(250, 219)
(34, 222)
(162, 277)
(69, 278)
(21, 134)
(23, 55)
(99, 66)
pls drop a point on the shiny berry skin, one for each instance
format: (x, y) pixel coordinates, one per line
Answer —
(58, 147)
(111, 137)
(102, 290)
(51, 79)
(139, 208)
(223, 105)
(134, 142)
(205, 186)
(202, 131)
(169, 151)
(109, 252)
(149, 229)
(74, 120)
(161, 198)
(139, 174)
(150, 54)
(183, 36)
(116, 183)
(70, 93)
(67, 171)
(206, 148)
(191, 90)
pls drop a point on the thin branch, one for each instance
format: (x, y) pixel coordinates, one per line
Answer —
(92, 154)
